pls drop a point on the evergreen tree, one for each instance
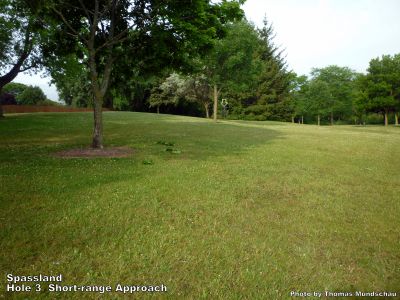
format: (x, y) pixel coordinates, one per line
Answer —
(274, 79)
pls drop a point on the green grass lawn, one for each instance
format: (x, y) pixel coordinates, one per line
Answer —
(247, 210)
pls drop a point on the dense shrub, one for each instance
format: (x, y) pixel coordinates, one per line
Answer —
(7, 99)
(31, 96)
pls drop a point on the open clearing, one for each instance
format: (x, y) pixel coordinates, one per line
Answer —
(231, 210)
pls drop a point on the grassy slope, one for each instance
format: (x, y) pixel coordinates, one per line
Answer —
(247, 210)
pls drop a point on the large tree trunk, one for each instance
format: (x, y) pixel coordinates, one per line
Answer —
(386, 119)
(396, 118)
(207, 110)
(319, 120)
(158, 109)
(215, 102)
(98, 124)
(97, 141)
(331, 118)
(302, 119)
(292, 119)
(1, 106)
(99, 85)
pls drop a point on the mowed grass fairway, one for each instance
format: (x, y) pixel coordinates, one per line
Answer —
(247, 210)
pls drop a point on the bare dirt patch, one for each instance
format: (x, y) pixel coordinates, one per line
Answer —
(93, 153)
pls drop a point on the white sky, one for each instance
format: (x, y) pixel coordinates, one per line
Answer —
(317, 33)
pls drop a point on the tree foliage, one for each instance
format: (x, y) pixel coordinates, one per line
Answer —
(71, 79)
(21, 29)
(147, 35)
(274, 79)
(298, 101)
(381, 85)
(14, 88)
(31, 95)
(197, 88)
(231, 65)
(339, 93)
(167, 93)
(24, 94)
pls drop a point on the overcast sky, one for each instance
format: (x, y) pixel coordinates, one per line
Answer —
(317, 33)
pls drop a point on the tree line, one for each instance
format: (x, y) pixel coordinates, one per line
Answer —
(181, 57)
(341, 95)
(22, 94)
(249, 70)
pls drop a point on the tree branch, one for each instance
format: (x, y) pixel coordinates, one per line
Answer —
(73, 32)
(85, 10)
(33, 65)
(28, 46)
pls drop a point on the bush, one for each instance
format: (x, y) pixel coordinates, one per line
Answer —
(14, 88)
(7, 99)
(374, 119)
(31, 96)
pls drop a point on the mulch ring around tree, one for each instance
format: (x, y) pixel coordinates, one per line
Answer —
(94, 153)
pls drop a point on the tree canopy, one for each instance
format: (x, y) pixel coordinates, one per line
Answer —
(381, 86)
(21, 31)
(147, 35)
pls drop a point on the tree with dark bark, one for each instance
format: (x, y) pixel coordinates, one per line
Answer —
(20, 29)
(147, 33)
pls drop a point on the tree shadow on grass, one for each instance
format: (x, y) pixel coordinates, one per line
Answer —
(45, 198)
(194, 140)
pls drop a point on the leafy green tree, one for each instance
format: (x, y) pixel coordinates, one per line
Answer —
(71, 79)
(340, 87)
(197, 88)
(382, 86)
(319, 97)
(298, 97)
(31, 96)
(360, 98)
(14, 88)
(20, 28)
(231, 65)
(167, 93)
(147, 33)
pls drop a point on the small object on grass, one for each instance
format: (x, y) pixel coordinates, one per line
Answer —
(148, 162)
(165, 143)
(174, 151)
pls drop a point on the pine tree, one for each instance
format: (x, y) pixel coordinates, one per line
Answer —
(274, 79)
